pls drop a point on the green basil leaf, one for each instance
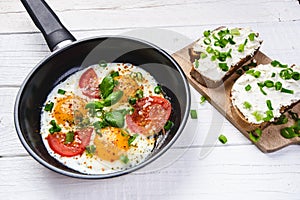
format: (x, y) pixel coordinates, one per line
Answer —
(113, 98)
(106, 86)
(115, 118)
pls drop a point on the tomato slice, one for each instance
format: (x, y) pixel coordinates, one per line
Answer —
(149, 116)
(88, 84)
(81, 140)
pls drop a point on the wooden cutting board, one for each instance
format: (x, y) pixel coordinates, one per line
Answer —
(219, 97)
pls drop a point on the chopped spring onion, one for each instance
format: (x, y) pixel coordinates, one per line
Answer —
(269, 83)
(242, 46)
(206, 33)
(247, 105)
(209, 49)
(49, 106)
(60, 91)
(230, 40)
(286, 74)
(275, 63)
(293, 115)
(168, 125)
(269, 116)
(139, 93)
(102, 63)
(248, 87)
(207, 41)
(278, 85)
(114, 74)
(132, 138)
(288, 132)
(69, 137)
(202, 99)
(223, 66)
(196, 63)
(254, 73)
(269, 104)
(90, 150)
(235, 31)
(213, 58)
(281, 120)
(273, 75)
(55, 128)
(124, 159)
(203, 55)
(222, 139)
(261, 85)
(284, 90)
(157, 89)
(258, 116)
(296, 76)
(245, 67)
(194, 114)
(251, 36)
(255, 135)
(132, 100)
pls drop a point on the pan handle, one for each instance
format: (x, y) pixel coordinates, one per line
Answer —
(48, 23)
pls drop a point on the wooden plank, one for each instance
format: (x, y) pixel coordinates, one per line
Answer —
(19, 53)
(225, 173)
(155, 14)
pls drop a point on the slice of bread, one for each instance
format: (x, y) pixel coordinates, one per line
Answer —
(220, 52)
(263, 93)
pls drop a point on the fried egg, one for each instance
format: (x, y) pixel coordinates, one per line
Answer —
(66, 117)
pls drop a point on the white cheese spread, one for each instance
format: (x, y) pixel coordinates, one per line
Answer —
(258, 100)
(236, 45)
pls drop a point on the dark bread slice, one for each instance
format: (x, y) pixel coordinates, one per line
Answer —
(207, 82)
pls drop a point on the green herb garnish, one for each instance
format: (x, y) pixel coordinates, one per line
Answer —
(60, 91)
(102, 63)
(168, 125)
(269, 104)
(69, 137)
(203, 55)
(202, 99)
(224, 66)
(132, 138)
(258, 116)
(235, 31)
(124, 159)
(255, 135)
(248, 87)
(251, 36)
(284, 90)
(49, 106)
(196, 63)
(90, 150)
(247, 105)
(222, 139)
(194, 114)
(55, 128)
(281, 120)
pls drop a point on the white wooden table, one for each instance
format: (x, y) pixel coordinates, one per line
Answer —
(192, 168)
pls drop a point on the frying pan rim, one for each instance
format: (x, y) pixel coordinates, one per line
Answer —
(118, 173)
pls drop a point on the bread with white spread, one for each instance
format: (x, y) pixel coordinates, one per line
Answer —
(219, 53)
(264, 92)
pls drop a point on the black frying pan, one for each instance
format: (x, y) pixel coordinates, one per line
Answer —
(69, 56)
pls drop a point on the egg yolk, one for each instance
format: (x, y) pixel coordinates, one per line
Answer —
(128, 85)
(111, 144)
(67, 108)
